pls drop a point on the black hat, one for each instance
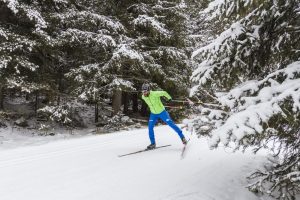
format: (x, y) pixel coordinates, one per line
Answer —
(145, 87)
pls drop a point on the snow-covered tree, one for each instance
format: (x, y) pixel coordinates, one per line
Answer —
(149, 45)
(21, 35)
(158, 34)
(250, 74)
(198, 28)
(42, 41)
(90, 48)
(89, 41)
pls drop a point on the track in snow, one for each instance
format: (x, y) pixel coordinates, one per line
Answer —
(89, 169)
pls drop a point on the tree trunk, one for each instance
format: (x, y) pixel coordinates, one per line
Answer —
(1, 97)
(60, 83)
(125, 102)
(36, 106)
(58, 100)
(144, 111)
(116, 101)
(135, 105)
(96, 112)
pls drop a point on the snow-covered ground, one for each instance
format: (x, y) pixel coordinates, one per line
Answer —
(88, 168)
(12, 137)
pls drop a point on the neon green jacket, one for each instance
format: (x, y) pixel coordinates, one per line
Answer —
(154, 102)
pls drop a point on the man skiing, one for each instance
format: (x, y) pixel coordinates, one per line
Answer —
(158, 111)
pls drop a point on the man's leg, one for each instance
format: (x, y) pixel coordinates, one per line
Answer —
(152, 121)
(166, 118)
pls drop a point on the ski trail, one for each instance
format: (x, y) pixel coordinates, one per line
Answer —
(71, 146)
(89, 168)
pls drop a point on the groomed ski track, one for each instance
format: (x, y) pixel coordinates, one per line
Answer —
(89, 168)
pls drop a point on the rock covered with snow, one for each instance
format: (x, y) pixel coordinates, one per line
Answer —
(21, 122)
(2, 124)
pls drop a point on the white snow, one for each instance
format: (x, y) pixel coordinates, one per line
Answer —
(89, 168)
(76, 35)
(235, 30)
(3, 33)
(128, 52)
(12, 5)
(4, 61)
(146, 21)
(61, 1)
(251, 111)
(36, 16)
(122, 82)
(74, 16)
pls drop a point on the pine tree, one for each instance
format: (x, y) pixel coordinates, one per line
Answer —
(85, 41)
(251, 71)
(21, 34)
(92, 50)
(157, 33)
(150, 46)
(45, 40)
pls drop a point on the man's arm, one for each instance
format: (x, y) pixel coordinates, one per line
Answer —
(162, 93)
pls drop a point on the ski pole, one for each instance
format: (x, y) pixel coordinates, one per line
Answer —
(188, 101)
(178, 107)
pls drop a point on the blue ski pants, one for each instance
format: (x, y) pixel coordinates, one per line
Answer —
(164, 115)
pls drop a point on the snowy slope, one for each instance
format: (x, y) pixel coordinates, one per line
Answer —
(89, 169)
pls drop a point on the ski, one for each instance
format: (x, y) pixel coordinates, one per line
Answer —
(183, 152)
(144, 150)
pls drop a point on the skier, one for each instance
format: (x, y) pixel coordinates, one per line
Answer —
(157, 109)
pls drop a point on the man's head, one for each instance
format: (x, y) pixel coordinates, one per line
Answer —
(146, 89)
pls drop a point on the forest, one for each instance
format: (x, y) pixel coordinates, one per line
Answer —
(232, 68)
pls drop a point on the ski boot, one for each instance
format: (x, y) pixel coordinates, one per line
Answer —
(151, 146)
(184, 141)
